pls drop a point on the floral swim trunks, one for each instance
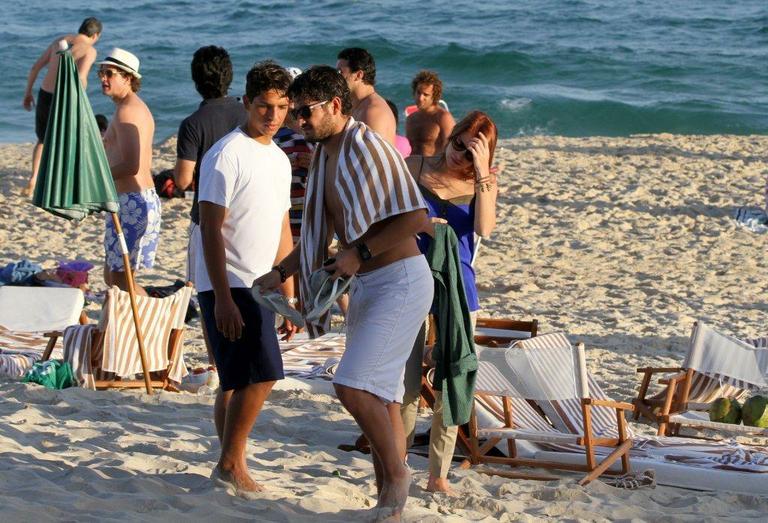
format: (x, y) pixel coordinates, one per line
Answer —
(140, 219)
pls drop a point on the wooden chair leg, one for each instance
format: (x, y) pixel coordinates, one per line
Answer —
(640, 400)
(53, 337)
(665, 410)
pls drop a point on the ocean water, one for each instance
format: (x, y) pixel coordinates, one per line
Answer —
(559, 67)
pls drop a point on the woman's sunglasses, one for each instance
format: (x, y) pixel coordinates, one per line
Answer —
(459, 146)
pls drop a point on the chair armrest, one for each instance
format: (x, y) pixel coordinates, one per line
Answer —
(655, 370)
(668, 380)
(53, 334)
(610, 403)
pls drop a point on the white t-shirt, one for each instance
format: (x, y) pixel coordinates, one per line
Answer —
(253, 181)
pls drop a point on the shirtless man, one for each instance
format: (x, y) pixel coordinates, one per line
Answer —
(428, 128)
(357, 67)
(376, 226)
(128, 143)
(81, 47)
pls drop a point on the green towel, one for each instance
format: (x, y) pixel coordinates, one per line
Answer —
(51, 374)
(454, 352)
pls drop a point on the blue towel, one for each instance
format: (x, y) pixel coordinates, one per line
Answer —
(753, 218)
(20, 273)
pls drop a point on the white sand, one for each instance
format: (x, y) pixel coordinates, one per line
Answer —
(620, 242)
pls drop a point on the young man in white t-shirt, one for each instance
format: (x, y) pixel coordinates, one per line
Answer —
(244, 195)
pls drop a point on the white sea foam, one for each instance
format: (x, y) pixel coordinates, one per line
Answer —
(515, 104)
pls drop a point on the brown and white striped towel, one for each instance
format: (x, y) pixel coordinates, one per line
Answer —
(158, 316)
(373, 183)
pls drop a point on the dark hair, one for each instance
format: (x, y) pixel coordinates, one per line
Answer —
(135, 82)
(320, 83)
(266, 76)
(428, 78)
(359, 59)
(477, 122)
(90, 27)
(211, 71)
(393, 108)
(102, 122)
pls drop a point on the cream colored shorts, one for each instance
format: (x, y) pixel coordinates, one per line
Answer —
(386, 309)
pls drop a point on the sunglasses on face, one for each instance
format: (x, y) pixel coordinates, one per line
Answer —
(108, 73)
(305, 111)
(460, 146)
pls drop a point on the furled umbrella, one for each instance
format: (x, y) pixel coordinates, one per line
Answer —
(74, 179)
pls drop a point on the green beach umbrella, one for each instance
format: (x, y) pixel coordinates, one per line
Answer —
(74, 179)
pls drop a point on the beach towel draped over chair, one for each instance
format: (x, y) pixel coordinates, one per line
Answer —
(546, 370)
(107, 355)
(716, 366)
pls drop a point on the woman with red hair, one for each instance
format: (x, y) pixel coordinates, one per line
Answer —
(460, 190)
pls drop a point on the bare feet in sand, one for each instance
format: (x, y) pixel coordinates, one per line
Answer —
(440, 485)
(242, 484)
(393, 498)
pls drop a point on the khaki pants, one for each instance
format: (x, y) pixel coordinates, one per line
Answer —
(442, 439)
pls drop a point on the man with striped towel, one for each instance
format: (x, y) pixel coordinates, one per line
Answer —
(359, 189)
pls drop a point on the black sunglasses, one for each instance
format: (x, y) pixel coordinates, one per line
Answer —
(305, 111)
(459, 145)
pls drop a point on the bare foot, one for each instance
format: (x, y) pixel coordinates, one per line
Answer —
(27, 191)
(242, 484)
(393, 498)
(440, 485)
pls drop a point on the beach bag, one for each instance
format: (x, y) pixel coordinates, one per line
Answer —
(165, 186)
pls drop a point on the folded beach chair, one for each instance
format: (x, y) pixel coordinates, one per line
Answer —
(716, 366)
(26, 314)
(678, 461)
(107, 355)
(547, 370)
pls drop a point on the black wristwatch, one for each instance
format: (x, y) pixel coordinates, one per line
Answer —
(362, 249)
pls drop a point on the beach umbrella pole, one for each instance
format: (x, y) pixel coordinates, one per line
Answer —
(132, 294)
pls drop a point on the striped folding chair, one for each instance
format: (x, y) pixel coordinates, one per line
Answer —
(489, 332)
(548, 371)
(709, 372)
(107, 355)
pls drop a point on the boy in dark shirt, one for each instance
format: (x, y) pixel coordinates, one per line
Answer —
(217, 115)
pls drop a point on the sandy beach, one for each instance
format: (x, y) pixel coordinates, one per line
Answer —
(621, 243)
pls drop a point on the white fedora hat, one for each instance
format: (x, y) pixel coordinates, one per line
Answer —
(124, 60)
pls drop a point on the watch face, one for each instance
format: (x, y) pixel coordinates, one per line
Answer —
(365, 254)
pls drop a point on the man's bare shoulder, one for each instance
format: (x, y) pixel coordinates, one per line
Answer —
(445, 117)
(132, 110)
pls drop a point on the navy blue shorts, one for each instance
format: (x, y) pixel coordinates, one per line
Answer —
(255, 357)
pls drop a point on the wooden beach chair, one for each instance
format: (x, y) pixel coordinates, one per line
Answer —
(716, 366)
(549, 373)
(735, 366)
(491, 332)
(107, 356)
(26, 315)
(678, 461)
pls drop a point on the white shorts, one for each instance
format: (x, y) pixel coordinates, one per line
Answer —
(386, 309)
(191, 253)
